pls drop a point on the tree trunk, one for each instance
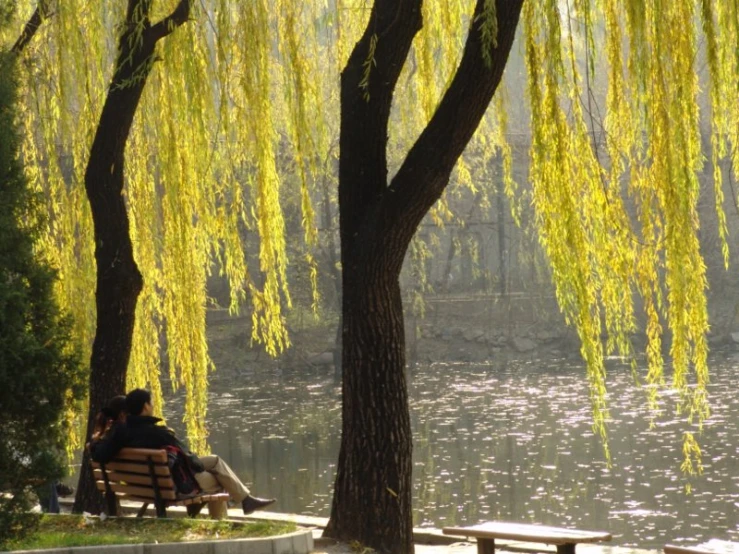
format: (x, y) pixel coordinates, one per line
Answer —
(334, 272)
(372, 494)
(373, 488)
(119, 281)
(372, 498)
(446, 277)
(31, 27)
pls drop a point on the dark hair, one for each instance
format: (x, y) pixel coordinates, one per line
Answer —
(109, 415)
(136, 399)
(114, 407)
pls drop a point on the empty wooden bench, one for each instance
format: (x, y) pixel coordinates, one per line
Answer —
(714, 546)
(564, 539)
(143, 475)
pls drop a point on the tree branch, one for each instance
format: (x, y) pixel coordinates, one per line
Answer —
(177, 18)
(367, 86)
(425, 172)
(40, 14)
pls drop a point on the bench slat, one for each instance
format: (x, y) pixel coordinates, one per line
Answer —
(129, 476)
(528, 533)
(143, 454)
(133, 490)
(221, 496)
(133, 467)
(199, 499)
(135, 478)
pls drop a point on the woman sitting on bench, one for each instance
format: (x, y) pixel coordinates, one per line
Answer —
(142, 430)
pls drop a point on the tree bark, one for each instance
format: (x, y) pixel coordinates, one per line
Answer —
(39, 15)
(373, 488)
(119, 281)
(372, 500)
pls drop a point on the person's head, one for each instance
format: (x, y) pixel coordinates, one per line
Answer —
(138, 402)
(115, 409)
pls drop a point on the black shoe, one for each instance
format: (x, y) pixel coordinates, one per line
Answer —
(251, 503)
(194, 509)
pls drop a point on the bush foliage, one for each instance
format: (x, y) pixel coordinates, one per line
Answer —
(40, 372)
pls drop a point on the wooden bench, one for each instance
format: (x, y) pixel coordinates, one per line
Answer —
(143, 475)
(564, 539)
(714, 546)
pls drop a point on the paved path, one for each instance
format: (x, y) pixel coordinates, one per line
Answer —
(428, 541)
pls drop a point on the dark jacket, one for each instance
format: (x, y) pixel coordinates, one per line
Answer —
(105, 448)
(141, 432)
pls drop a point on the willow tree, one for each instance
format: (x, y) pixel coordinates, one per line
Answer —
(372, 496)
(612, 223)
(119, 280)
(164, 167)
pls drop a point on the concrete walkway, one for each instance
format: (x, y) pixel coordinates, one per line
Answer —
(428, 541)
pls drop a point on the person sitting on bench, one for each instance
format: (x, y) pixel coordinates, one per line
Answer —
(142, 430)
(110, 421)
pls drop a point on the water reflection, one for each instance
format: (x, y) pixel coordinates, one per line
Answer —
(513, 444)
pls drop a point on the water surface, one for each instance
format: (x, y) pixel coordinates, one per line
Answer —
(513, 443)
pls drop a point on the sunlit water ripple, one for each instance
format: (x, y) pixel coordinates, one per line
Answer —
(512, 444)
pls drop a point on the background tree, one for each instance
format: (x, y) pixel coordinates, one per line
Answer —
(40, 370)
(119, 281)
(195, 179)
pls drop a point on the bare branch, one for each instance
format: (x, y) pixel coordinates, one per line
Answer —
(40, 14)
(178, 17)
(425, 172)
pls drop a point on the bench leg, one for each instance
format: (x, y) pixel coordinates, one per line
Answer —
(485, 546)
(142, 510)
(161, 509)
(218, 509)
(566, 548)
(112, 501)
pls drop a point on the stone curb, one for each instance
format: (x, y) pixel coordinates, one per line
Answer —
(300, 542)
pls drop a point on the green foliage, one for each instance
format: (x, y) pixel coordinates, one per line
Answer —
(6, 11)
(39, 368)
(628, 223)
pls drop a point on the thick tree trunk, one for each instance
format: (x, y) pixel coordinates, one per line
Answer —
(372, 498)
(119, 281)
(373, 489)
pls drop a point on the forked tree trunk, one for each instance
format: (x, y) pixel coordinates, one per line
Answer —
(119, 281)
(373, 488)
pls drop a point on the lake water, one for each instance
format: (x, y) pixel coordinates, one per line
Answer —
(512, 443)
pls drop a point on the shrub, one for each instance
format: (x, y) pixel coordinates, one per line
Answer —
(40, 372)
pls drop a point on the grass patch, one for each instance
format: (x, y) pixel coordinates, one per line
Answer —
(56, 531)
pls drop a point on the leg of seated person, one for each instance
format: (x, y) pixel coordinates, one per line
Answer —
(208, 482)
(217, 475)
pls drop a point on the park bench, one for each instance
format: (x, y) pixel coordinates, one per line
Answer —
(714, 546)
(564, 539)
(143, 475)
